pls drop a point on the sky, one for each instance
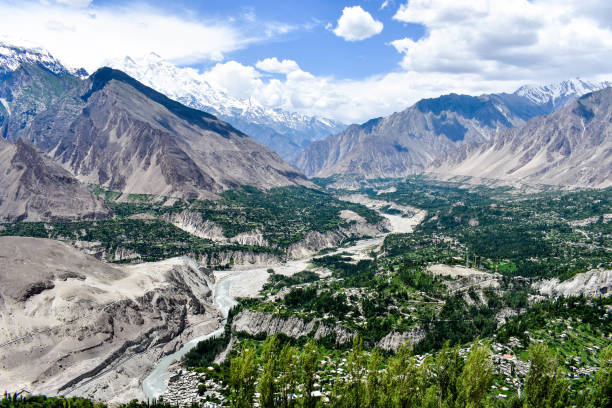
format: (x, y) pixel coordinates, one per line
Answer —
(346, 60)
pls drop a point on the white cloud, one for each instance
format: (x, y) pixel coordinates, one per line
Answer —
(511, 39)
(356, 24)
(475, 47)
(234, 78)
(275, 66)
(345, 100)
(89, 36)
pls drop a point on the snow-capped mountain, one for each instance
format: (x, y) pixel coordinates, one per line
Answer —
(561, 93)
(286, 132)
(12, 56)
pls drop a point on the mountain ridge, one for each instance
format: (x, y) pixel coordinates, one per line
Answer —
(35, 188)
(409, 141)
(113, 131)
(285, 132)
(572, 146)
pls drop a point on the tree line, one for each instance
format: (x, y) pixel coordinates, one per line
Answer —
(285, 376)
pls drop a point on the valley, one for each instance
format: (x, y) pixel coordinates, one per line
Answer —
(167, 243)
(423, 294)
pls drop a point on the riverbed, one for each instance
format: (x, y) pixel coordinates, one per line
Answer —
(249, 282)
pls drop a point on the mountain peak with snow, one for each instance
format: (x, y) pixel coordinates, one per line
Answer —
(286, 132)
(560, 93)
(13, 56)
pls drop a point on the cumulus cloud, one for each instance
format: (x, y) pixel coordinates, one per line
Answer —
(234, 78)
(349, 101)
(475, 47)
(356, 24)
(275, 66)
(507, 39)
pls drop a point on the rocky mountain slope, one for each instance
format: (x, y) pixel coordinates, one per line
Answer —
(74, 325)
(408, 141)
(34, 188)
(113, 131)
(595, 283)
(28, 90)
(559, 94)
(287, 133)
(572, 146)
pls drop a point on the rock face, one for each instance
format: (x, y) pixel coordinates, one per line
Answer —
(287, 133)
(394, 340)
(595, 283)
(34, 188)
(113, 131)
(409, 141)
(27, 88)
(560, 94)
(12, 57)
(191, 222)
(116, 132)
(406, 142)
(72, 325)
(254, 323)
(312, 243)
(572, 146)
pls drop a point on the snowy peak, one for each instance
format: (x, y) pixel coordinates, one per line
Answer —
(286, 132)
(12, 57)
(187, 83)
(559, 94)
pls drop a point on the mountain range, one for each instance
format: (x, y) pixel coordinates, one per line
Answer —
(572, 146)
(411, 140)
(287, 133)
(62, 131)
(113, 131)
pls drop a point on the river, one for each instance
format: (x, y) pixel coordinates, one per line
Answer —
(156, 382)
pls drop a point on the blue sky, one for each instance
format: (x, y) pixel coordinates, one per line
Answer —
(318, 49)
(347, 60)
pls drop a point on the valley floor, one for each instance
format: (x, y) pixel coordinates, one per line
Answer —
(455, 264)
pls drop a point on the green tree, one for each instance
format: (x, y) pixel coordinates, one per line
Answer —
(448, 368)
(405, 382)
(266, 386)
(243, 375)
(288, 376)
(601, 395)
(476, 376)
(373, 380)
(545, 385)
(355, 367)
(309, 360)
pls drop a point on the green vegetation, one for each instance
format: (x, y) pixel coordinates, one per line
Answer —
(284, 375)
(390, 293)
(276, 281)
(283, 215)
(141, 229)
(518, 235)
(551, 233)
(488, 339)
